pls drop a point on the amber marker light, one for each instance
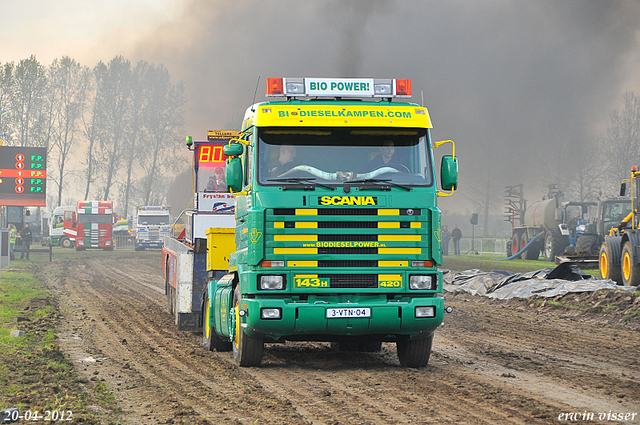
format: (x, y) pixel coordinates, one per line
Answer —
(403, 88)
(275, 87)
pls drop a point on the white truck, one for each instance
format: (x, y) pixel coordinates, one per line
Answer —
(153, 223)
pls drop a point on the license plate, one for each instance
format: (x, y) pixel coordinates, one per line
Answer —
(341, 313)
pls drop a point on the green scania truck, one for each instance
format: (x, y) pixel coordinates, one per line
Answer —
(337, 235)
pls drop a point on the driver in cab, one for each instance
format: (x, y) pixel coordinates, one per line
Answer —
(385, 157)
(285, 161)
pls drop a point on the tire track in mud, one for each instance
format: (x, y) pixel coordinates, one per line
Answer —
(137, 337)
(167, 372)
(577, 357)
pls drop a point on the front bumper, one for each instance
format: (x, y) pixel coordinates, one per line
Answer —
(309, 317)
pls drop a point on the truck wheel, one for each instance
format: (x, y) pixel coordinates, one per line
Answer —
(515, 244)
(586, 243)
(609, 270)
(529, 254)
(210, 339)
(65, 242)
(414, 353)
(247, 350)
(553, 245)
(630, 270)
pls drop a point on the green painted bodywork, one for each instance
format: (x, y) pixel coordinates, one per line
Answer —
(259, 213)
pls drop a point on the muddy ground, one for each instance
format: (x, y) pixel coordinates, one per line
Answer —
(493, 362)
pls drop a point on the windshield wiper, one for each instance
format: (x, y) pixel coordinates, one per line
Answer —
(301, 180)
(387, 181)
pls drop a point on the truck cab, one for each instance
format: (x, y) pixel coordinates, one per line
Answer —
(337, 227)
(153, 223)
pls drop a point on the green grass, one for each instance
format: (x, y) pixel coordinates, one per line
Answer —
(34, 373)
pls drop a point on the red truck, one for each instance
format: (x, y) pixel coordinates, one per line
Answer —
(95, 225)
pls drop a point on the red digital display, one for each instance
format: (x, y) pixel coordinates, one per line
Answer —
(210, 162)
(209, 154)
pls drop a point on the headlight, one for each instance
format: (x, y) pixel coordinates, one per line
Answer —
(271, 282)
(270, 313)
(422, 282)
(425, 311)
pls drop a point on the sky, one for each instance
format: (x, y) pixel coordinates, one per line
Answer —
(506, 80)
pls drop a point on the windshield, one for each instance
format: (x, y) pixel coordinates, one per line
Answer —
(153, 219)
(95, 218)
(337, 156)
(616, 211)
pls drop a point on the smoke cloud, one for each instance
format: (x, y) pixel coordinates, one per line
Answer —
(508, 81)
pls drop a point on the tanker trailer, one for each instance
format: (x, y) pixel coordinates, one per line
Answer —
(540, 217)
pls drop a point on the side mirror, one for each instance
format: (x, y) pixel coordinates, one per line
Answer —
(233, 149)
(449, 173)
(623, 188)
(234, 173)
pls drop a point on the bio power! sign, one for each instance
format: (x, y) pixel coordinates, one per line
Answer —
(338, 87)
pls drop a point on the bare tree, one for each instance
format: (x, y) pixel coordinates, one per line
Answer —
(622, 139)
(576, 165)
(113, 103)
(28, 101)
(164, 118)
(135, 129)
(7, 87)
(69, 88)
(90, 123)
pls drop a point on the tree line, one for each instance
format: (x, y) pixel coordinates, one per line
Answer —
(585, 165)
(111, 131)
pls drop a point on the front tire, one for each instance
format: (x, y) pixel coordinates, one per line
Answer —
(530, 254)
(587, 243)
(414, 353)
(609, 270)
(210, 339)
(65, 242)
(553, 245)
(247, 350)
(630, 270)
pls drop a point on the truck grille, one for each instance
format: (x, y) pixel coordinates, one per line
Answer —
(347, 237)
(351, 280)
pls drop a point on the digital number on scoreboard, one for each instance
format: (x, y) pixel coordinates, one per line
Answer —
(23, 176)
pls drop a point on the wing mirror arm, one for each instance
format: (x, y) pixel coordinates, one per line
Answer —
(448, 169)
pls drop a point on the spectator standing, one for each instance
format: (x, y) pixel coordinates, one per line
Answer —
(445, 240)
(456, 234)
(27, 238)
(13, 233)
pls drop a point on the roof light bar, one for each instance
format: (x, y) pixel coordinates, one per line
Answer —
(338, 87)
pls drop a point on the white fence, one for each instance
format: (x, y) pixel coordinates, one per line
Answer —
(481, 246)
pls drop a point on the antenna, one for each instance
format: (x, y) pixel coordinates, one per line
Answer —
(255, 92)
(422, 97)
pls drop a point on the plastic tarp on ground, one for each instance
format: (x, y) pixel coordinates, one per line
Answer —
(504, 285)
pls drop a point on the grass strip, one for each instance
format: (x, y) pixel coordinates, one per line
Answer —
(34, 374)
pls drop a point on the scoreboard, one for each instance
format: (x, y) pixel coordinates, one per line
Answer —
(210, 161)
(23, 176)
